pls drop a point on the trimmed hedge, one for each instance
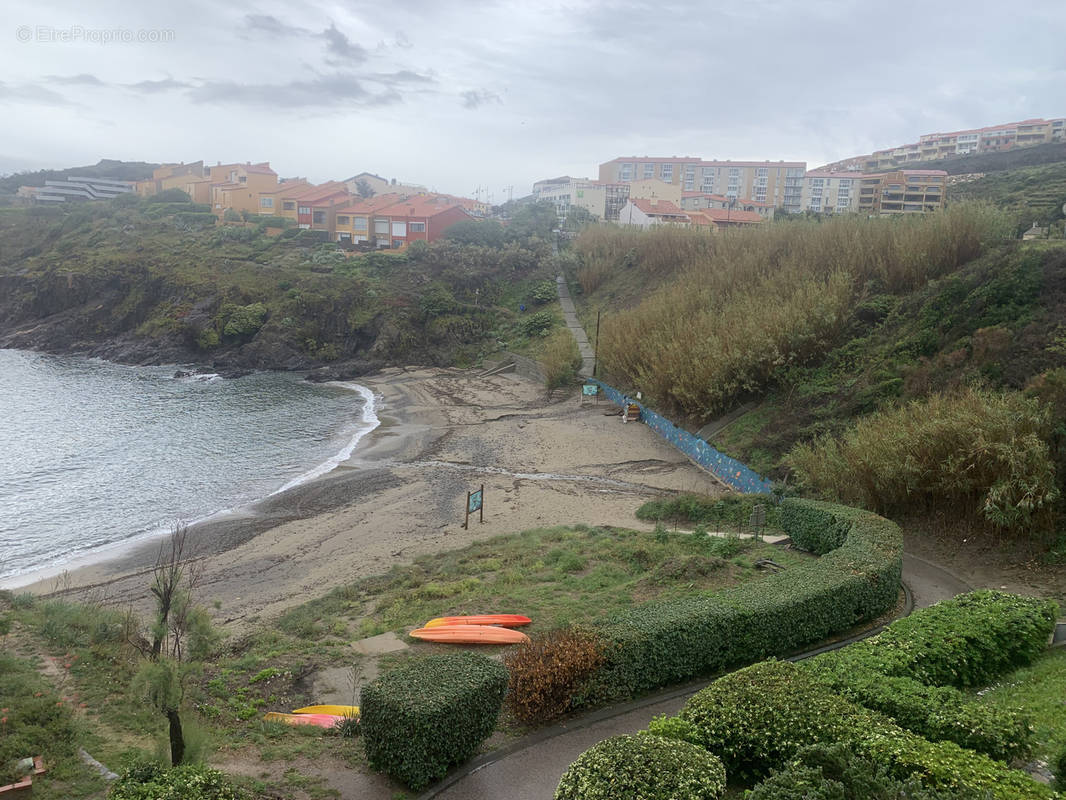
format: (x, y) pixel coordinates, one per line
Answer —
(643, 767)
(420, 719)
(757, 718)
(940, 713)
(834, 772)
(660, 643)
(968, 641)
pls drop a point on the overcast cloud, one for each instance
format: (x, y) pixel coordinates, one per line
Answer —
(460, 94)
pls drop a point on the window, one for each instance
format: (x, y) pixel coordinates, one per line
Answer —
(318, 218)
(242, 179)
(734, 172)
(343, 220)
(359, 223)
(397, 244)
(381, 226)
(845, 183)
(668, 172)
(399, 229)
(626, 172)
(649, 170)
(344, 237)
(305, 209)
(762, 172)
(266, 202)
(817, 182)
(288, 205)
(417, 227)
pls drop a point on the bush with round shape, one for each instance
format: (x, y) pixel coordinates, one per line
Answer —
(643, 767)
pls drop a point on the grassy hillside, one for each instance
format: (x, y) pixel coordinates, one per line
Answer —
(1031, 194)
(996, 162)
(822, 325)
(157, 282)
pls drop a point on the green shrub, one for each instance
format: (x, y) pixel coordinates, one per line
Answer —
(546, 671)
(420, 719)
(756, 720)
(939, 713)
(643, 767)
(171, 196)
(968, 641)
(242, 321)
(1060, 771)
(272, 222)
(834, 772)
(149, 781)
(544, 292)
(538, 324)
(660, 643)
(195, 220)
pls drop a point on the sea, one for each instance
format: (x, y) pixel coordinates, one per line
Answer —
(94, 455)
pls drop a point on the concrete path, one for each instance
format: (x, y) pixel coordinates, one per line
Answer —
(531, 768)
(588, 358)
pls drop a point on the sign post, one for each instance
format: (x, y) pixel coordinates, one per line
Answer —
(475, 501)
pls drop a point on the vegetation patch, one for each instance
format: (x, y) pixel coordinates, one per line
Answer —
(420, 719)
(643, 767)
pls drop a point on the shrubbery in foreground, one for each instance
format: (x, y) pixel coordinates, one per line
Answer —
(645, 767)
(420, 719)
(150, 781)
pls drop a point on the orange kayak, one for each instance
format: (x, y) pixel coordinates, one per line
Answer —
(470, 634)
(321, 720)
(503, 620)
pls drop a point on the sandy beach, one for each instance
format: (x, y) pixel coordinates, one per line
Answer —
(543, 462)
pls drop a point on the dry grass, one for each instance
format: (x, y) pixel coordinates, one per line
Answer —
(740, 304)
(976, 452)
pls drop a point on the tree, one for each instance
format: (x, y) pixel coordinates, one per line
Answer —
(364, 189)
(534, 219)
(179, 637)
(577, 218)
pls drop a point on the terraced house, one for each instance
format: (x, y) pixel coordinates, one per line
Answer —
(908, 191)
(394, 221)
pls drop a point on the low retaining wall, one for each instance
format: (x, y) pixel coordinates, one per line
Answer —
(725, 468)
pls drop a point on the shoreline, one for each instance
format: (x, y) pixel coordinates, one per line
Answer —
(140, 543)
(399, 495)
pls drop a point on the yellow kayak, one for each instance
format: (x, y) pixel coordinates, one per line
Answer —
(341, 711)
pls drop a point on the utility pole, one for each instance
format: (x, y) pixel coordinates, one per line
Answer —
(510, 192)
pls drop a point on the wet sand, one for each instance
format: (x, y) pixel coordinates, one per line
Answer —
(542, 461)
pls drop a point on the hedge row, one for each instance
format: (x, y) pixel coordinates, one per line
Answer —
(968, 641)
(834, 772)
(660, 643)
(757, 718)
(645, 767)
(420, 719)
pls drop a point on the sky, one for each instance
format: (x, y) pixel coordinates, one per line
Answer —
(470, 95)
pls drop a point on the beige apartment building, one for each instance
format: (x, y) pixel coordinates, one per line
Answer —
(934, 146)
(778, 183)
(908, 191)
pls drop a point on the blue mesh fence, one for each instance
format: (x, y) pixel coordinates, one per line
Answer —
(728, 469)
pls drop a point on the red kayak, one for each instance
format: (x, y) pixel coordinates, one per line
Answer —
(502, 620)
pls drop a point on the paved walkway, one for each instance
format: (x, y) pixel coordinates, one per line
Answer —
(588, 357)
(530, 769)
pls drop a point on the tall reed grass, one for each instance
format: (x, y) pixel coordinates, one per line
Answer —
(982, 452)
(560, 359)
(735, 306)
